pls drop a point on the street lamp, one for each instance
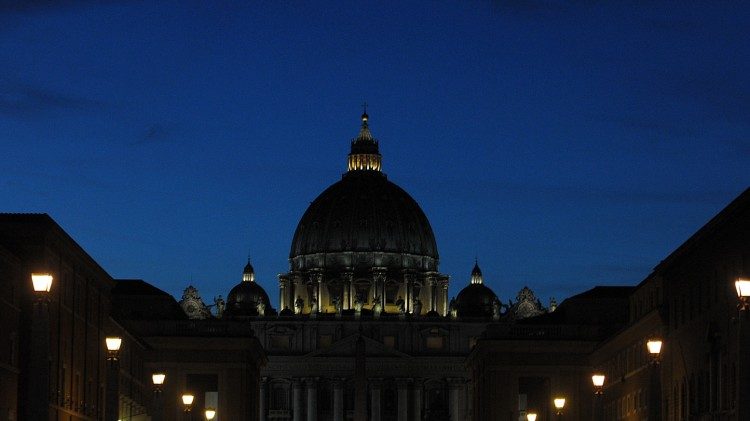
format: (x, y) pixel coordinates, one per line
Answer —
(158, 380)
(39, 372)
(113, 347)
(597, 379)
(654, 346)
(112, 409)
(187, 401)
(742, 285)
(559, 405)
(531, 416)
(210, 413)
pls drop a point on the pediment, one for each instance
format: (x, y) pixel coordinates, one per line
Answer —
(346, 347)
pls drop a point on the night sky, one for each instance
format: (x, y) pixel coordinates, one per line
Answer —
(566, 144)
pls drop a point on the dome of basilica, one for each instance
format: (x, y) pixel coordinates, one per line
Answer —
(364, 213)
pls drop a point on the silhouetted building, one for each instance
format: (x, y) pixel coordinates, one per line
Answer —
(53, 360)
(689, 302)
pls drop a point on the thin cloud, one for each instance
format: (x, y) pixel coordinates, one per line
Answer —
(24, 100)
(31, 6)
(155, 133)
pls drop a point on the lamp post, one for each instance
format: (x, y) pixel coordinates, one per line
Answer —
(187, 401)
(597, 380)
(157, 379)
(38, 381)
(531, 416)
(210, 413)
(112, 409)
(654, 402)
(742, 286)
(559, 405)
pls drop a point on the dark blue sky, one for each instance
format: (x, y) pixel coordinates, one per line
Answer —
(565, 143)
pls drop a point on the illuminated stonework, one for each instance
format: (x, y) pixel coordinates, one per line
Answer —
(365, 155)
(364, 162)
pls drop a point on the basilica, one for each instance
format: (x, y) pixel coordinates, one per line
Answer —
(364, 263)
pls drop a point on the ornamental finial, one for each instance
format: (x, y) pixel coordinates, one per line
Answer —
(365, 117)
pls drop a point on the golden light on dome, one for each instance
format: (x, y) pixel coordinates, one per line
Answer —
(364, 162)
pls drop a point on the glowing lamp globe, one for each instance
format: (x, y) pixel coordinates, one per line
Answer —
(187, 399)
(598, 380)
(42, 282)
(210, 413)
(654, 346)
(158, 378)
(743, 287)
(559, 403)
(113, 343)
(531, 416)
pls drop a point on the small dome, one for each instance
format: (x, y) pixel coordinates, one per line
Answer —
(476, 299)
(248, 298)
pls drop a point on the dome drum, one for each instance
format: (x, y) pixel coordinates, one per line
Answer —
(363, 261)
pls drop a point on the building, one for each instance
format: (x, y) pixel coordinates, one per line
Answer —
(53, 361)
(689, 302)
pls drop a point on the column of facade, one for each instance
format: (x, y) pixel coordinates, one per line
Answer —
(338, 400)
(418, 404)
(402, 385)
(297, 286)
(378, 280)
(352, 290)
(319, 286)
(316, 281)
(346, 279)
(407, 293)
(262, 406)
(375, 386)
(296, 400)
(282, 290)
(432, 282)
(454, 398)
(312, 399)
(444, 293)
